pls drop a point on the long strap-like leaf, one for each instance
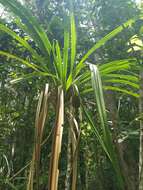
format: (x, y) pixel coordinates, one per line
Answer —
(11, 56)
(73, 41)
(20, 40)
(99, 98)
(33, 28)
(101, 43)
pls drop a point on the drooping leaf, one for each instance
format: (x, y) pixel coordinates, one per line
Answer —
(107, 138)
(31, 65)
(23, 42)
(32, 27)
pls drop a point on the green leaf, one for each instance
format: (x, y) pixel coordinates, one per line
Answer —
(117, 63)
(32, 27)
(59, 61)
(65, 54)
(31, 75)
(73, 41)
(55, 62)
(121, 76)
(83, 78)
(119, 81)
(99, 98)
(24, 43)
(97, 134)
(101, 43)
(31, 65)
(97, 87)
(115, 66)
(119, 89)
(69, 82)
(21, 41)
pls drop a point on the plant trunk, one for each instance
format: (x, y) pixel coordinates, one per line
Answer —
(56, 144)
(141, 133)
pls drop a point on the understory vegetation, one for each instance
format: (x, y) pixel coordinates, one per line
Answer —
(71, 95)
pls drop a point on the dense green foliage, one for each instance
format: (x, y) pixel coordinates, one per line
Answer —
(87, 49)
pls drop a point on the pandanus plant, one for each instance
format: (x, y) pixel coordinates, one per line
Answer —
(72, 79)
